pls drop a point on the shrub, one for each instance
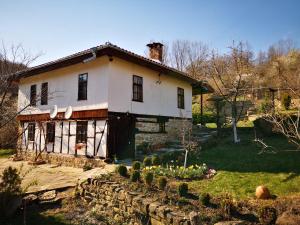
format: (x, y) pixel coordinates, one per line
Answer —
(144, 147)
(87, 167)
(147, 161)
(204, 199)
(135, 176)
(155, 160)
(286, 101)
(162, 183)
(267, 215)
(136, 165)
(122, 170)
(183, 189)
(148, 178)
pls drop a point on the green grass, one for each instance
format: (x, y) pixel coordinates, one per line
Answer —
(240, 169)
(5, 153)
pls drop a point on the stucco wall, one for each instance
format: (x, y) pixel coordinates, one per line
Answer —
(63, 88)
(158, 99)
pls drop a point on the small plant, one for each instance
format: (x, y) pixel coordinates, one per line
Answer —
(87, 167)
(122, 170)
(147, 161)
(227, 206)
(136, 165)
(148, 178)
(182, 201)
(155, 160)
(135, 176)
(183, 189)
(267, 215)
(162, 183)
(204, 199)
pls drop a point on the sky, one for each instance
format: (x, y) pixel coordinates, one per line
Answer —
(57, 28)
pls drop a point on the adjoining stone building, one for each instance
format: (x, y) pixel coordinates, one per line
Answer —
(102, 102)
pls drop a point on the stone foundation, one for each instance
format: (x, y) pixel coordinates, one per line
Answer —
(65, 160)
(112, 199)
(173, 131)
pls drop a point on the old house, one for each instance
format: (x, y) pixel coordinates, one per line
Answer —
(102, 102)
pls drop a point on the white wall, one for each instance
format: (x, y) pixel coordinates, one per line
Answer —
(158, 99)
(63, 88)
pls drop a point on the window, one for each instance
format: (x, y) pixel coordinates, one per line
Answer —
(33, 95)
(81, 132)
(50, 132)
(162, 127)
(180, 98)
(44, 94)
(137, 88)
(31, 131)
(82, 86)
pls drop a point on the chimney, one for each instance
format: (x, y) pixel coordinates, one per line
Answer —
(156, 51)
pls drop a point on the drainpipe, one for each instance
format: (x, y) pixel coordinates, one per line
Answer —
(93, 51)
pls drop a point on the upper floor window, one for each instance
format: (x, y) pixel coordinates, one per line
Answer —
(81, 132)
(137, 88)
(50, 132)
(44, 94)
(180, 98)
(33, 95)
(31, 131)
(82, 86)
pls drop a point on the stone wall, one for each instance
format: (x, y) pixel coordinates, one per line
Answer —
(152, 135)
(132, 207)
(64, 160)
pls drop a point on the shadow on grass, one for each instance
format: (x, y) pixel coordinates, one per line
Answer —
(244, 157)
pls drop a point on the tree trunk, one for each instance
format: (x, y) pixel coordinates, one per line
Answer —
(234, 123)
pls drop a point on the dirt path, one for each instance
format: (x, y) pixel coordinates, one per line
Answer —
(49, 177)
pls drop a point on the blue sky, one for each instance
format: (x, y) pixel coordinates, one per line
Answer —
(61, 27)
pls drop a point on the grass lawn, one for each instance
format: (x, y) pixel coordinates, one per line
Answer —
(240, 169)
(5, 153)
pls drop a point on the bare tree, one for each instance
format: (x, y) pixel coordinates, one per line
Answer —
(231, 75)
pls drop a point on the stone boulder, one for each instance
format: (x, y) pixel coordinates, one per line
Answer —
(288, 218)
(239, 222)
(262, 192)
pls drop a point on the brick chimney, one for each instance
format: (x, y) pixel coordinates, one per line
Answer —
(156, 51)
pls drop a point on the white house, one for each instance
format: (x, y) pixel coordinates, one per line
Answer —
(102, 102)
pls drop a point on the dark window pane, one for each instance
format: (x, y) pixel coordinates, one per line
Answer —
(81, 132)
(31, 131)
(137, 88)
(33, 95)
(50, 132)
(44, 94)
(82, 86)
(180, 98)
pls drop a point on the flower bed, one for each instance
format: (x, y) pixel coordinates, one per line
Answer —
(179, 172)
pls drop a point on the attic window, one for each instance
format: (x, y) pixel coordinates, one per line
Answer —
(137, 88)
(82, 86)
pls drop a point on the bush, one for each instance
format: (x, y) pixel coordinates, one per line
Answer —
(155, 160)
(144, 147)
(148, 178)
(162, 183)
(87, 167)
(147, 161)
(286, 101)
(122, 170)
(183, 189)
(227, 206)
(136, 165)
(267, 215)
(135, 176)
(204, 199)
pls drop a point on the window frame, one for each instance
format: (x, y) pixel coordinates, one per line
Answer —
(137, 95)
(180, 98)
(33, 95)
(31, 133)
(52, 134)
(44, 93)
(79, 134)
(81, 96)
